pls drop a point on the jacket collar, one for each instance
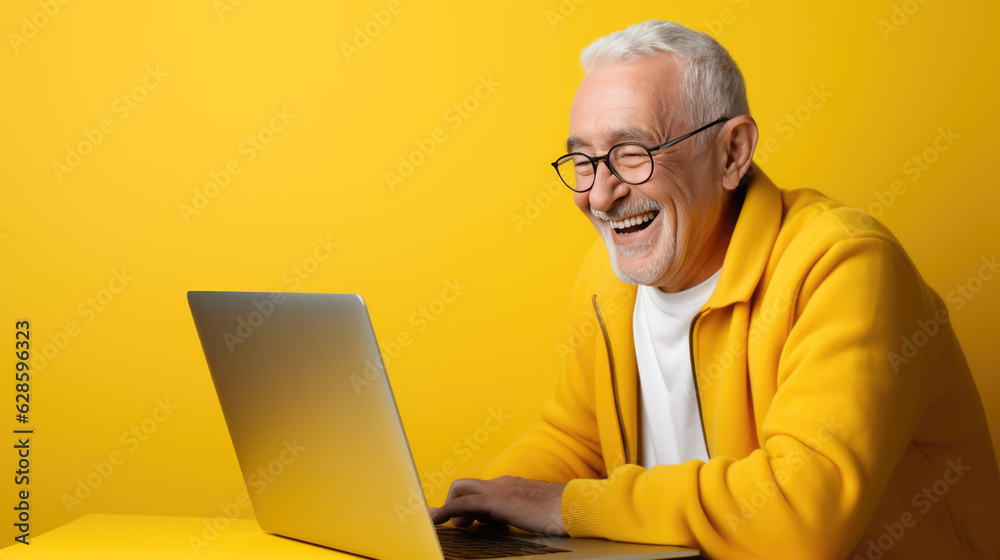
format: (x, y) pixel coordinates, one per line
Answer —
(752, 242)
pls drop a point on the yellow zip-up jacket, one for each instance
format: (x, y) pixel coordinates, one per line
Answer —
(840, 415)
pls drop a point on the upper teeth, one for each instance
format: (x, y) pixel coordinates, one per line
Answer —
(633, 220)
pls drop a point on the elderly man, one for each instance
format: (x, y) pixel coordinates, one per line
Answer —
(767, 374)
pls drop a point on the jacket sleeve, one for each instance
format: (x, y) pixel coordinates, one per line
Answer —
(843, 412)
(564, 444)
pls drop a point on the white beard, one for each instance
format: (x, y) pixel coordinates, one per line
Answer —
(660, 255)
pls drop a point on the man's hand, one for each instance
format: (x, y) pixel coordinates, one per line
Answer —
(532, 505)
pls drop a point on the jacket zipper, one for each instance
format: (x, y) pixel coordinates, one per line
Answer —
(614, 380)
(694, 378)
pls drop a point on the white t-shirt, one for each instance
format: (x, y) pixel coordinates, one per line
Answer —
(670, 427)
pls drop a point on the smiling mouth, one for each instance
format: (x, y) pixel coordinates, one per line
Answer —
(633, 224)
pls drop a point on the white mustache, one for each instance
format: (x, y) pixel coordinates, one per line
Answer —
(628, 207)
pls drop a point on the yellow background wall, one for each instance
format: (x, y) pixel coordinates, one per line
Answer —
(845, 95)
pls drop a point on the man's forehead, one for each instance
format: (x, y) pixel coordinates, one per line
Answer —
(614, 135)
(623, 102)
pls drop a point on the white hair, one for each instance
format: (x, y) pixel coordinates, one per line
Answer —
(712, 82)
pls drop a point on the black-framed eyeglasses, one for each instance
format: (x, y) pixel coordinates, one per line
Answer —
(629, 161)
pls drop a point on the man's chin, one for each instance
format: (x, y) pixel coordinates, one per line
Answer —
(633, 253)
(633, 266)
(641, 260)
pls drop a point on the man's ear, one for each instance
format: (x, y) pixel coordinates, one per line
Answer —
(739, 139)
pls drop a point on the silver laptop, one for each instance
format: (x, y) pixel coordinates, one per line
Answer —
(320, 442)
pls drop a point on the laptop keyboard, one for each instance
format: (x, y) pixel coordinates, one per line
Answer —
(459, 545)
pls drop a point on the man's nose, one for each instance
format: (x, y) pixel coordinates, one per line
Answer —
(607, 189)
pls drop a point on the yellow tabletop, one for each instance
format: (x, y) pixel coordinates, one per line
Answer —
(110, 537)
